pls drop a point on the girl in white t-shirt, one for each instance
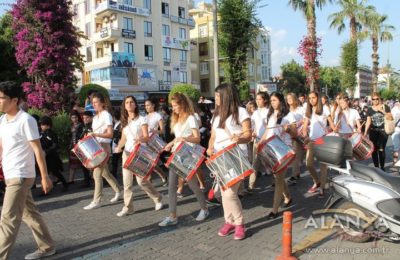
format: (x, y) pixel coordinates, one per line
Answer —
(185, 128)
(230, 124)
(102, 126)
(258, 127)
(279, 115)
(155, 125)
(297, 112)
(315, 125)
(348, 119)
(134, 130)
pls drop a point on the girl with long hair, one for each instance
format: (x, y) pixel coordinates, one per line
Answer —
(230, 124)
(278, 115)
(315, 126)
(102, 126)
(185, 127)
(348, 119)
(134, 131)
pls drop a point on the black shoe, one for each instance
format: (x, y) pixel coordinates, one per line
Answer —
(56, 182)
(293, 180)
(272, 215)
(286, 205)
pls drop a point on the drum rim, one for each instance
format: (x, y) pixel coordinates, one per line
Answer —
(168, 162)
(220, 152)
(238, 179)
(265, 141)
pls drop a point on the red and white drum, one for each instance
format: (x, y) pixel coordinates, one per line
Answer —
(300, 137)
(230, 165)
(156, 143)
(90, 152)
(141, 161)
(362, 146)
(275, 154)
(186, 159)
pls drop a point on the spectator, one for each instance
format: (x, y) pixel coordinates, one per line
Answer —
(75, 134)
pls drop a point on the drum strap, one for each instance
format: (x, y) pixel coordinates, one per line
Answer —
(347, 121)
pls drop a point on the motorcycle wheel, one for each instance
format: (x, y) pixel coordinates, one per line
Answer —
(351, 232)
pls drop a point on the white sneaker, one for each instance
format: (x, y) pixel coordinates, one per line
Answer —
(203, 214)
(158, 206)
(92, 205)
(117, 197)
(124, 212)
(39, 254)
(168, 221)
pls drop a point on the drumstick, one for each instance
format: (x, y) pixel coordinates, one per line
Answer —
(229, 138)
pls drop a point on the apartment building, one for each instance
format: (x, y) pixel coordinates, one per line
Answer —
(136, 47)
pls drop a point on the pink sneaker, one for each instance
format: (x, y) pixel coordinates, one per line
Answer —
(240, 233)
(226, 230)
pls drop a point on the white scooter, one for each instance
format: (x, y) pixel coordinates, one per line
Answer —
(367, 200)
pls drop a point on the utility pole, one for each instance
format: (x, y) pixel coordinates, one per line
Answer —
(215, 39)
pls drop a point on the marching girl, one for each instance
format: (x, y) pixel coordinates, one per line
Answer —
(316, 119)
(185, 128)
(297, 112)
(155, 125)
(102, 126)
(258, 122)
(230, 124)
(335, 108)
(278, 115)
(348, 119)
(134, 130)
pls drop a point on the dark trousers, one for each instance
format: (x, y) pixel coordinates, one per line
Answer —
(379, 139)
(115, 162)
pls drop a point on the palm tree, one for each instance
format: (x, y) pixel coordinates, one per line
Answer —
(354, 10)
(308, 8)
(377, 30)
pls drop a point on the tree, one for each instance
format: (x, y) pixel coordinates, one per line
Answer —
(376, 30)
(349, 65)
(47, 49)
(238, 27)
(83, 93)
(330, 79)
(9, 69)
(293, 78)
(308, 9)
(188, 89)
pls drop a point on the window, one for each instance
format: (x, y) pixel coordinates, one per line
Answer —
(251, 69)
(166, 30)
(203, 31)
(127, 23)
(204, 85)
(181, 12)
(264, 73)
(99, 53)
(87, 6)
(127, 2)
(182, 33)
(183, 77)
(204, 68)
(147, 4)
(128, 47)
(167, 76)
(183, 56)
(147, 29)
(167, 54)
(89, 54)
(165, 9)
(203, 49)
(148, 52)
(76, 10)
(88, 30)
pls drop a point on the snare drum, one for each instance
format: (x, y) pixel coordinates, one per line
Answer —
(156, 143)
(275, 154)
(362, 146)
(186, 159)
(300, 137)
(90, 152)
(141, 161)
(230, 166)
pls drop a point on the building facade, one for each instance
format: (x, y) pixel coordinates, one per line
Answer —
(364, 82)
(136, 47)
(202, 53)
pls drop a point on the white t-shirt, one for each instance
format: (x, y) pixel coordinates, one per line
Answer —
(133, 131)
(318, 124)
(100, 123)
(258, 121)
(223, 135)
(279, 131)
(153, 120)
(396, 116)
(347, 120)
(18, 158)
(298, 114)
(185, 129)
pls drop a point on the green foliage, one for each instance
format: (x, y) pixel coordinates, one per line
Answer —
(85, 89)
(62, 126)
(349, 63)
(330, 78)
(387, 94)
(188, 89)
(35, 111)
(244, 90)
(293, 78)
(238, 27)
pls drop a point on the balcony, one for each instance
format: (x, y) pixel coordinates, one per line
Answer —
(175, 19)
(107, 34)
(106, 8)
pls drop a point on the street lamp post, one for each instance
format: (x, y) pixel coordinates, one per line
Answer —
(215, 39)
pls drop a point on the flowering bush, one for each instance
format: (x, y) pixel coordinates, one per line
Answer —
(310, 50)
